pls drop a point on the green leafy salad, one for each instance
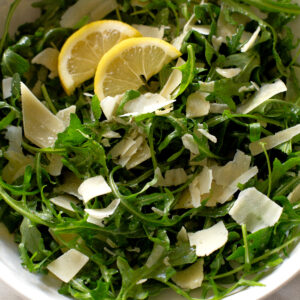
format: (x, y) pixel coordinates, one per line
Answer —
(174, 163)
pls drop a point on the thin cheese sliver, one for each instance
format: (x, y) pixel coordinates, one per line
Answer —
(209, 240)
(93, 187)
(191, 277)
(294, 195)
(173, 81)
(228, 73)
(64, 201)
(267, 91)
(49, 59)
(65, 114)
(150, 31)
(68, 265)
(93, 9)
(251, 41)
(144, 104)
(255, 210)
(41, 126)
(102, 213)
(196, 105)
(6, 87)
(272, 141)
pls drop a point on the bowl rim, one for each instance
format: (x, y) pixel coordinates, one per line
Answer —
(278, 278)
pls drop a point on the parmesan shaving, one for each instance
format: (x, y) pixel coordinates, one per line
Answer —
(225, 175)
(6, 87)
(218, 108)
(200, 186)
(17, 161)
(68, 265)
(272, 141)
(255, 210)
(155, 255)
(40, 125)
(225, 194)
(294, 195)
(142, 154)
(49, 59)
(124, 159)
(225, 29)
(173, 177)
(14, 136)
(202, 29)
(131, 151)
(251, 41)
(178, 41)
(93, 187)
(111, 134)
(217, 42)
(95, 221)
(102, 213)
(196, 105)
(55, 166)
(173, 81)
(266, 92)
(64, 114)
(182, 236)
(204, 132)
(190, 144)
(144, 104)
(209, 240)
(109, 106)
(70, 186)
(93, 9)
(150, 31)
(190, 278)
(122, 147)
(64, 201)
(228, 73)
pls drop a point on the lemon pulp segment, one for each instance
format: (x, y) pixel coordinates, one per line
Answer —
(130, 62)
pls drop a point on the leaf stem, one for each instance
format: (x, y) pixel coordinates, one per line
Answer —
(247, 256)
(269, 169)
(48, 99)
(24, 211)
(42, 150)
(258, 259)
(11, 11)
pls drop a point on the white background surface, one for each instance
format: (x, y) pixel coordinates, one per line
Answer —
(291, 291)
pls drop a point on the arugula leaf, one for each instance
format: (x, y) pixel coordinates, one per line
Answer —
(74, 135)
(275, 6)
(188, 71)
(234, 43)
(13, 63)
(32, 239)
(96, 109)
(257, 242)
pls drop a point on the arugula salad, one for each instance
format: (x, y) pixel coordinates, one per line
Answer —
(151, 145)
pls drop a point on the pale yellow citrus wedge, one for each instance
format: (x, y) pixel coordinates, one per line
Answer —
(130, 62)
(81, 53)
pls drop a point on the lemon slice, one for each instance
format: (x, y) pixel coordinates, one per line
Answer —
(126, 65)
(81, 53)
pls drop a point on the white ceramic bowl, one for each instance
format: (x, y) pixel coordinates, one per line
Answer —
(36, 287)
